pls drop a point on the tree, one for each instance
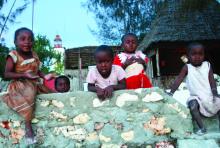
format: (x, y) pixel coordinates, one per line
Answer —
(48, 56)
(117, 17)
(3, 54)
(12, 14)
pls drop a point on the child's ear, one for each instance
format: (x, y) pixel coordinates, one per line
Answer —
(15, 42)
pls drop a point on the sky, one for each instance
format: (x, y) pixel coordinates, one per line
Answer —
(68, 18)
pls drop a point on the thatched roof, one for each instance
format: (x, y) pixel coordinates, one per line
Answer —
(86, 54)
(174, 24)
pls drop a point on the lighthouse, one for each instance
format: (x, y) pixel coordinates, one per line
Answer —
(57, 42)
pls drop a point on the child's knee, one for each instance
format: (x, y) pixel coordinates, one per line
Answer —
(193, 105)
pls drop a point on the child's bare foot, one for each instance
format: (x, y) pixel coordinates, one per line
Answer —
(201, 131)
(29, 134)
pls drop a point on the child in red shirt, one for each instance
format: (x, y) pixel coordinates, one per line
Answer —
(133, 62)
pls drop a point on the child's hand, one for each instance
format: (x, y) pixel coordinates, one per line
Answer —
(216, 96)
(169, 93)
(129, 62)
(31, 76)
(140, 61)
(108, 91)
(49, 76)
(100, 93)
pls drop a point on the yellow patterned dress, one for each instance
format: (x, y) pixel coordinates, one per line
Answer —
(21, 93)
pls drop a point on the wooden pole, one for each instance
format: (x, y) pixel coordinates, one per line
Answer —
(157, 62)
(80, 70)
(32, 27)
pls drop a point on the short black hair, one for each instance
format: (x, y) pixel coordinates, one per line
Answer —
(192, 45)
(23, 29)
(128, 34)
(106, 49)
(65, 78)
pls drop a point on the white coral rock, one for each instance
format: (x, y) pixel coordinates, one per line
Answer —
(81, 119)
(152, 97)
(34, 120)
(125, 97)
(110, 146)
(16, 123)
(72, 101)
(71, 132)
(45, 103)
(97, 103)
(138, 91)
(182, 114)
(104, 138)
(92, 136)
(175, 106)
(145, 110)
(58, 104)
(127, 136)
(58, 115)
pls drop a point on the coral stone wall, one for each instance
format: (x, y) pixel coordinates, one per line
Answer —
(142, 117)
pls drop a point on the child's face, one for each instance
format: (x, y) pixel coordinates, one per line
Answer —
(196, 55)
(62, 86)
(104, 63)
(24, 41)
(129, 44)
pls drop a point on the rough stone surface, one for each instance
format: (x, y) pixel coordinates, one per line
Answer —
(105, 126)
(191, 143)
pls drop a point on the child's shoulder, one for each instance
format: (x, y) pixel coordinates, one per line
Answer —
(117, 69)
(13, 52)
(14, 55)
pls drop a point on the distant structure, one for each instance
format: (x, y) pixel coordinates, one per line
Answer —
(58, 47)
(173, 29)
(57, 42)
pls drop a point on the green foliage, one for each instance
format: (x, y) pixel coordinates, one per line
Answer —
(48, 56)
(59, 68)
(13, 14)
(115, 18)
(3, 54)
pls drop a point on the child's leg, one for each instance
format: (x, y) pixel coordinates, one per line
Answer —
(218, 118)
(30, 139)
(194, 110)
(28, 129)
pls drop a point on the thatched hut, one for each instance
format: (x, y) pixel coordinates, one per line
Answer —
(174, 28)
(82, 56)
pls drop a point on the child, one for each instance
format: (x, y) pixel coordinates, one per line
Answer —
(22, 66)
(204, 98)
(59, 84)
(133, 62)
(105, 77)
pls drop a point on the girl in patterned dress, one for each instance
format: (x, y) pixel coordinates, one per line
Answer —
(22, 67)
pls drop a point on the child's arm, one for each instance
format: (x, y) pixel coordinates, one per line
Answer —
(179, 79)
(10, 74)
(141, 61)
(91, 87)
(109, 90)
(212, 83)
(46, 76)
(98, 90)
(128, 62)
